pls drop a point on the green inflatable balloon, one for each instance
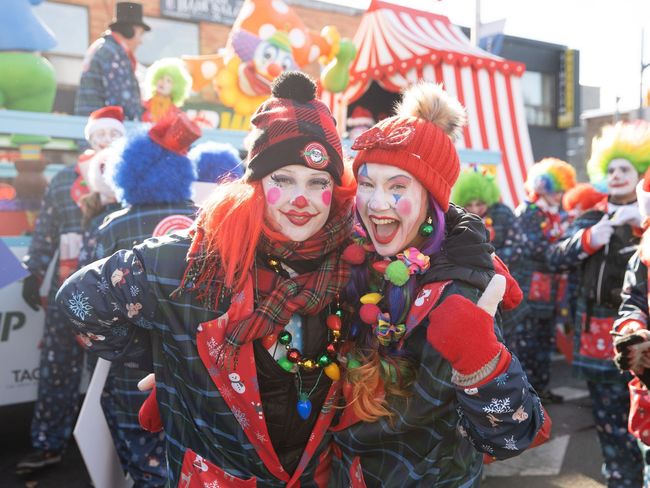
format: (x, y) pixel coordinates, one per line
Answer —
(336, 75)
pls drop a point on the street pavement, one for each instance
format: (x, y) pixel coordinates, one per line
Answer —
(571, 459)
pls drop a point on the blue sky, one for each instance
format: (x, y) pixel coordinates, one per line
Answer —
(607, 33)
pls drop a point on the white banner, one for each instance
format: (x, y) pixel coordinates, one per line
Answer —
(21, 331)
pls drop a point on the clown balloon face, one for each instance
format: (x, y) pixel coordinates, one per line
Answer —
(271, 60)
(621, 178)
(298, 200)
(392, 205)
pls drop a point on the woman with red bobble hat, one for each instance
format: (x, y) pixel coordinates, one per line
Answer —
(241, 315)
(429, 384)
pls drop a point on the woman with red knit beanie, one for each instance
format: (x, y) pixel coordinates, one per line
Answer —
(429, 384)
(240, 319)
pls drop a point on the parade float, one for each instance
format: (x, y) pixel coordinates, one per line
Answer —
(267, 38)
(398, 46)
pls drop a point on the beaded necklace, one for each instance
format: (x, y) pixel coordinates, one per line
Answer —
(294, 361)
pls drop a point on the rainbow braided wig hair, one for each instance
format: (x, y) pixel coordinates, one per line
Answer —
(550, 175)
(624, 140)
(473, 185)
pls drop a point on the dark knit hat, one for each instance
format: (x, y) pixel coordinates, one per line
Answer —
(293, 127)
(419, 139)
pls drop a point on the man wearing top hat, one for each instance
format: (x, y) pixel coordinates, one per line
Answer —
(108, 76)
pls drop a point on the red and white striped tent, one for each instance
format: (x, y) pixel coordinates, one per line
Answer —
(397, 46)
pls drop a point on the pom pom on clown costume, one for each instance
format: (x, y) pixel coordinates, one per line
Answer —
(168, 85)
(412, 318)
(599, 244)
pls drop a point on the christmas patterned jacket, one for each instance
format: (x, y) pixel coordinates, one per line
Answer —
(214, 421)
(438, 435)
(538, 230)
(58, 228)
(593, 348)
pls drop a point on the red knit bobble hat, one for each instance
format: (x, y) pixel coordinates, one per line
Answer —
(419, 139)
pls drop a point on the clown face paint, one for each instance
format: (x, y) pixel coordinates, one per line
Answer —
(621, 180)
(165, 85)
(477, 207)
(102, 138)
(298, 200)
(392, 205)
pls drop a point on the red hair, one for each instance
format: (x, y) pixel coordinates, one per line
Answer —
(582, 194)
(232, 221)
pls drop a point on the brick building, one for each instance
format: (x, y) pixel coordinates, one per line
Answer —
(177, 29)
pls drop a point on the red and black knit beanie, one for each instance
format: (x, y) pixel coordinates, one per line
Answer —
(293, 127)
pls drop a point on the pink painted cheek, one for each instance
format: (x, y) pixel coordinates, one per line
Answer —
(273, 195)
(327, 197)
(404, 207)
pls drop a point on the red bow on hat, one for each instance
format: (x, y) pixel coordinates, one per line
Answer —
(175, 132)
(376, 138)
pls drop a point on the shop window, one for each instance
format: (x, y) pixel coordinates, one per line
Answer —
(59, 18)
(539, 97)
(168, 38)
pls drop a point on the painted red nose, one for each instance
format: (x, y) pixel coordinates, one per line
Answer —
(300, 202)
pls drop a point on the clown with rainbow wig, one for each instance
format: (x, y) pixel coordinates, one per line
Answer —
(540, 219)
(599, 244)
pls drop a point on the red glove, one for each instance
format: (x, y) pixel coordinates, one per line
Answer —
(513, 295)
(464, 334)
(149, 415)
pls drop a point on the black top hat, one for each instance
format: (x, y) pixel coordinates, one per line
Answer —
(129, 13)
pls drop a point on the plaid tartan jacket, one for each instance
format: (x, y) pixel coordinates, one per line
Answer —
(593, 347)
(213, 419)
(89, 241)
(59, 215)
(439, 433)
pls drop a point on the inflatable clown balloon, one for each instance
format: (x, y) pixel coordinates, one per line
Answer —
(266, 39)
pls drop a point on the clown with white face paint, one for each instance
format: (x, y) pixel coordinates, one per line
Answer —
(255, 286)
(298, 200)
(425, 292)
(599, 243)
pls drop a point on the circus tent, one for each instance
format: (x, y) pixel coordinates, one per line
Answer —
(397, 46)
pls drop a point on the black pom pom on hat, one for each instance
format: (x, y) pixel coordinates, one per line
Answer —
(294, 85)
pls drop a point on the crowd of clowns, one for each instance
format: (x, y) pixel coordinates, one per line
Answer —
(305, 319)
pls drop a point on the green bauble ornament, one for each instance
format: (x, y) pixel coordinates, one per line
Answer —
(284, 338)
(426, 229)
(324, 360)
(397, 273)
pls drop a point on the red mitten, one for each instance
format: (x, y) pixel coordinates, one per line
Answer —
(149, 415)
(513, 294)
